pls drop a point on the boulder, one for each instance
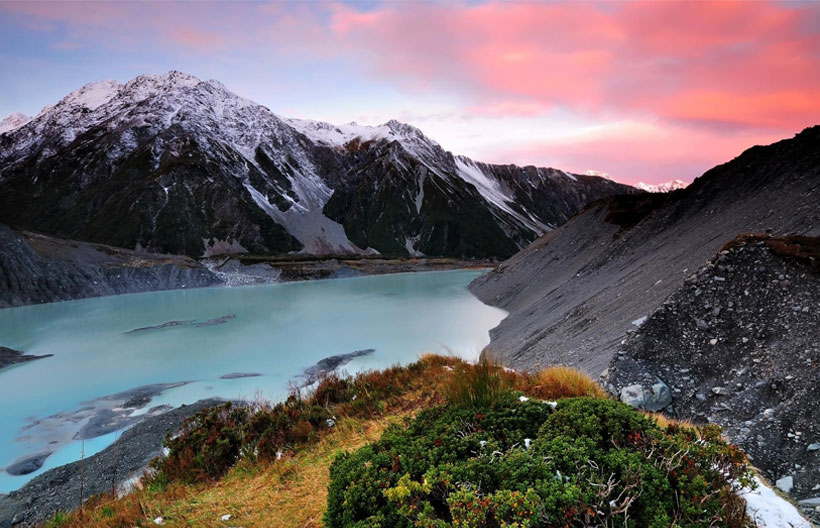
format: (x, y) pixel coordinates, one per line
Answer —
(654, 398)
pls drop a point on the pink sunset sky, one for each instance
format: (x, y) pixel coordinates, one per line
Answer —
(646, 91)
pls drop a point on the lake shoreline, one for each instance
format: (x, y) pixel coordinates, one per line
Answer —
(49, 270)
(231, 343)
(120, 462)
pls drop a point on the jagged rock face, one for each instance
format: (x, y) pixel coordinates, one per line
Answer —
(738, 345)
(574, 293)
(173, 164)
(394, 202)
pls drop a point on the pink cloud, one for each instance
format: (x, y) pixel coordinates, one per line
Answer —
(677, 60)
(712, 77)
(633, 152)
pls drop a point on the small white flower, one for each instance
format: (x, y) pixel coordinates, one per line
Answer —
(527, 443)
(523, 399)
(226, 517)
(552, 404)
(159, 520)
(278, 455)
(482, 443)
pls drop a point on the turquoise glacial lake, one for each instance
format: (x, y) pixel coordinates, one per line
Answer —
(276, 332)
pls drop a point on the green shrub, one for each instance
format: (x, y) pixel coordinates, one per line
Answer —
(58, 519)
(207, 446)
(521, 464)
(212, 441)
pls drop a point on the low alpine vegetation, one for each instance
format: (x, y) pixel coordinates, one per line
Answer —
(520, 463)
(438, 443)
(212, 442)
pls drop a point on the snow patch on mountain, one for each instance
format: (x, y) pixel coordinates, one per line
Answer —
(570, 176)
(599, 174)
(420, 194)
(410, 244)
(665, 187)
(492, 191)
(92, 95)
(13, 122)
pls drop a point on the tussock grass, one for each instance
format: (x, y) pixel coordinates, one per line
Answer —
(481, 385)
(666, 423)
(560, 382)
(288, 493)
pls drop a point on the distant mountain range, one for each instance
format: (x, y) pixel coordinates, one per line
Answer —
(669, 186)
(172, 164)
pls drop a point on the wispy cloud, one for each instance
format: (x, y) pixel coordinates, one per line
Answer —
(706, 77)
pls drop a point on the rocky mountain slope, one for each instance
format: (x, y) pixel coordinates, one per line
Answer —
(173, 164)
(36, 269)
(574, 293)
(739, 345)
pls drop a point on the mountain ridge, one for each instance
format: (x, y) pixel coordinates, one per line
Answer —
(173, 164)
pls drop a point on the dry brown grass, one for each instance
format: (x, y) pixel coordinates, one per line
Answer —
(559, 382)
(290, 493)
(665, 422)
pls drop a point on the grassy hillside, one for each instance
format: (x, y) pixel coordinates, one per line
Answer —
(437, 443)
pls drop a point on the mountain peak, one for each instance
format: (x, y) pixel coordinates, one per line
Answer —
(672, 185)
(92, 95)
(12, 122)
(147, 83)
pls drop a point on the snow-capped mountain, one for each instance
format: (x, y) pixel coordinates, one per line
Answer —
(664, 187)
(13, 121)
(170, 163)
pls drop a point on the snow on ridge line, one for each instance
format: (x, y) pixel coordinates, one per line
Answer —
(13, 122)
(491, 191)
(340, 135)
(672, 185)
(92, 95)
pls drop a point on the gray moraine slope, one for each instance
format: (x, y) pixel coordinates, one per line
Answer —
(574, 293)
(37, 269)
